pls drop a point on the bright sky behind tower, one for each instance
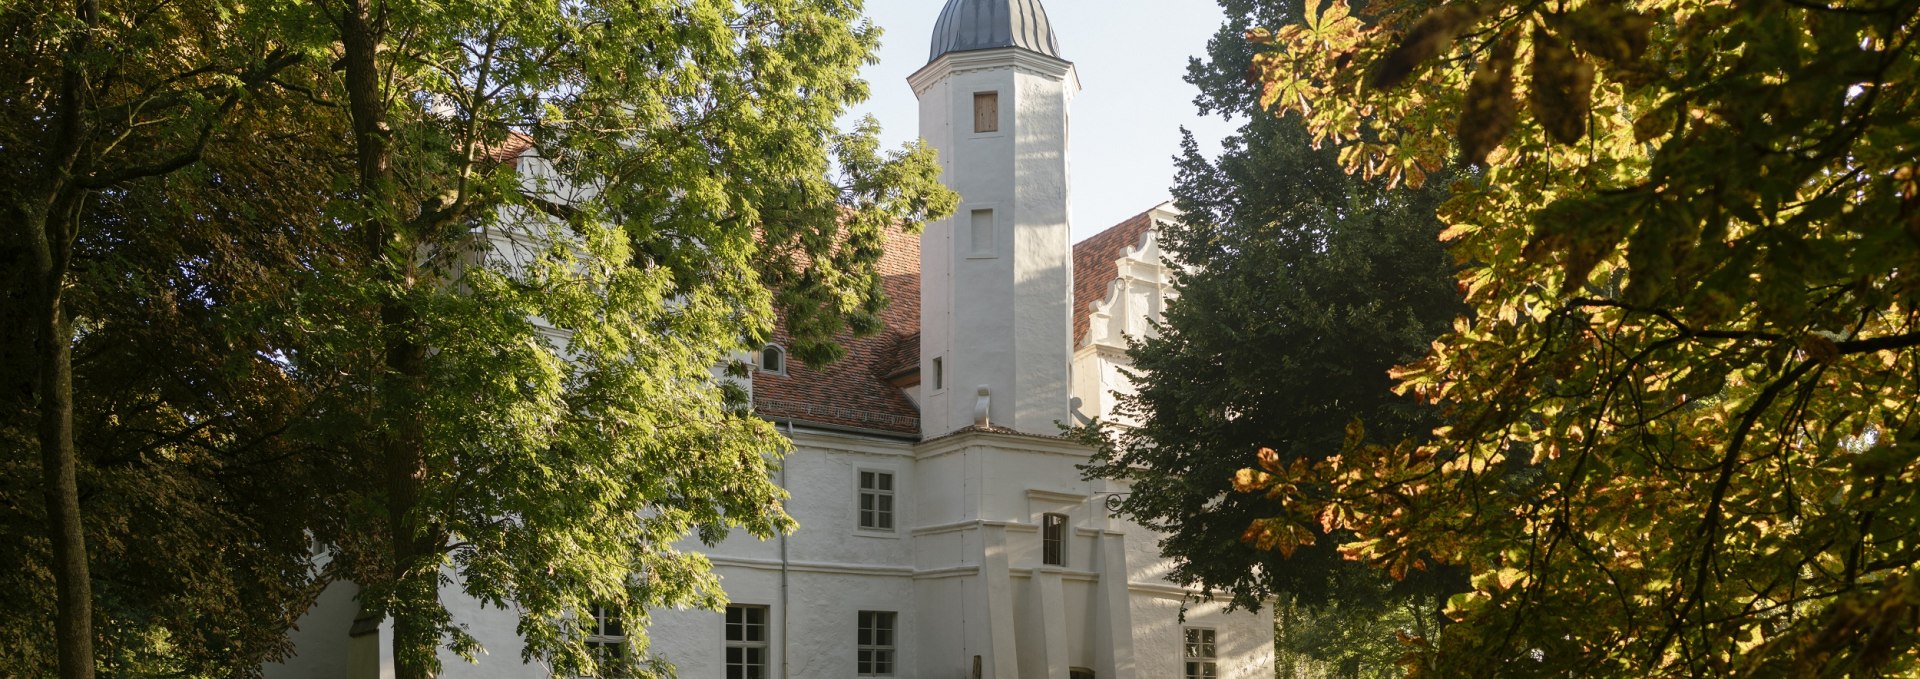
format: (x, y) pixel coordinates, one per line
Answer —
(1131, 55)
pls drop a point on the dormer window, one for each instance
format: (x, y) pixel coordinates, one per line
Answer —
(773, 359)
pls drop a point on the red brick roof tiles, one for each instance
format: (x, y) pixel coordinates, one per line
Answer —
(854, 391)
(859, 391)
(1096, 267)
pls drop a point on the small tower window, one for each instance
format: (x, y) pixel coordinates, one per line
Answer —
(939, 374)
(986, 112)
(773, 359)
(1053, 539)
(982, 233)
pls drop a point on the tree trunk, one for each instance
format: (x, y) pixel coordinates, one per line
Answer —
(414, 546)
(49, 225)
(415, 573)
(52, 350)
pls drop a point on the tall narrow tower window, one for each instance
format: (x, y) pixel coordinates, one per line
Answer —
(1053, 539)
(939, 374)
(982, 234)
(986, 112)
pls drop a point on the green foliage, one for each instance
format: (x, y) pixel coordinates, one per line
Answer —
(1685, 405)
(1344, 642)
(1298, 288)
(159, 204)
(532, 347)
(315, 300)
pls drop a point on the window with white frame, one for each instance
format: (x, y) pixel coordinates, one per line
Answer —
(876, 500)
(875, 658)
(1202, 661)
(747, 642)
(1053, 539)
(607, 641)
(773, 359)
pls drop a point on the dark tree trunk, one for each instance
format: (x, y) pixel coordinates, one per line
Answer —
(50, 215)
(414, 545)
(52, 351)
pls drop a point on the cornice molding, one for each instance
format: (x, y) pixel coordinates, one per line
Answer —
(958, 63)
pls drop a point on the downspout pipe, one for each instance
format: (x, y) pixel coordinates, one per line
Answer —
(786, 617)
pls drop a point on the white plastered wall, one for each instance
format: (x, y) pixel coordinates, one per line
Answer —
(1127, 308)
(998, 315)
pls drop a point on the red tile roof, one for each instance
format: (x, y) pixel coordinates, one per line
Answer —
(510, 148)
(860, 390)
(1095, 267)
(854, 392)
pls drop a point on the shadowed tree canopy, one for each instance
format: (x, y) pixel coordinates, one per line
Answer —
(1685, 405)
(450, 287)
(1299, 287)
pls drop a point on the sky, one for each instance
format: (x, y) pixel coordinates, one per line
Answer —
(1131, 55)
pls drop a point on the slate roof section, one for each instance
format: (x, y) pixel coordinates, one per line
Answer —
(967, 25)
(1096, 267)
(854, 391)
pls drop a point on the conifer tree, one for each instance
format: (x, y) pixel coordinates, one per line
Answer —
(1299, 288)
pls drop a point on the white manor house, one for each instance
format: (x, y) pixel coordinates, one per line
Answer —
(945, 531)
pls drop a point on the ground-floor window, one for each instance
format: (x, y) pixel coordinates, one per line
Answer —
(875, 657)
(607, 641)
(1200, 656)
(747, 642)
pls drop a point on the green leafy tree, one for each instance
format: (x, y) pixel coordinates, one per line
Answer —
(104, 100)
(1685, 405)
(1299, 288)
(195, 501)
(533, 341)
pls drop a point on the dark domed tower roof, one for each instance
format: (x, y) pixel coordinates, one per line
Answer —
(967, 25)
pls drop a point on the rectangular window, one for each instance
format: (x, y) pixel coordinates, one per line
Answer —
(1201, 659)
(986, 112)
(939, 374)
(607, 641)
(747, 642)
(982, 233)
(876, 644)
(876, 500)
(1053, 539)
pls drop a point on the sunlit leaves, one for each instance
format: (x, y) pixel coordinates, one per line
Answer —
(1490, 106)
(1675, 251)
(1428, 38)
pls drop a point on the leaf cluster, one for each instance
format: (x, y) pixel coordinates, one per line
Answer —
(1685, 400)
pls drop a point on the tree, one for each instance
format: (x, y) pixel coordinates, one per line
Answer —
(532, 340)
(101, 98)
(1685, 403)
(1299, 287)
(196, 502)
